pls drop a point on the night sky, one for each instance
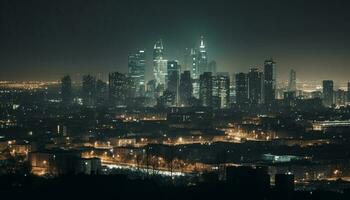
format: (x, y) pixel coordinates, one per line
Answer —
(45, 39)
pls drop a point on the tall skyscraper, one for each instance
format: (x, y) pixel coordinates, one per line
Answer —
(348, 96)
(202, 57)
(221, 91)
(151, 93)
(101, 92)
(194, 62)
(340, 97)
(328, 93)
(206, 89)
(269, 87)
(159, 64)
(241, 89)
(292, 84)
(173, 78)
(119, 88)
(66, 90)
(89, 90)
(186, 88)
(255, 86)
(137, 68)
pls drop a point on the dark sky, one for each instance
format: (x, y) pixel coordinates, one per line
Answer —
(44, 39)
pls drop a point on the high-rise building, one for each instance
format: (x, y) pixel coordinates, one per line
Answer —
(119, 89)
(137, 68)
(202, 57)
(269, 87)
(255, 86)
(328, 93)
(151, 93)
(173, 79)
(186, 88)
(241, 89)
(66, 90)
(101, 92)
(340, 97)
(159, 64)
(221, 91)
(89, 90)
(348, 96)
(194, 62)
(292, 84)
(206, 89)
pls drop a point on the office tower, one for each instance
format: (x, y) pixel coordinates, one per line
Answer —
(159, 64)
(66, 90)
(151, 93)
(289, 98)
(232, 88)
(173, 79)
(348, 96)
(292, 84)
(255, 86)
(185, 89)
(221, 91)
(340, 97)
(206, 89)
(194, 62)
(119, 88)
(89, 90)
(212, 67)
(101, 92)
(136, 68)
(202, 57)
(269, 88)
(328, 93)
(241, 89)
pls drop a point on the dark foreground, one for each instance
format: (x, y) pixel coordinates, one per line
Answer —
(119, 187)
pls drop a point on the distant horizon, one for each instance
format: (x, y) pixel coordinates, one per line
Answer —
(42, 40)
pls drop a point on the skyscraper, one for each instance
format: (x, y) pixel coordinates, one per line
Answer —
(173, 78)
(101, 92)
(119, 88)
(269, 87)
(292, 84)
(202, 57)
(206, 89)
(348, 96)
(340, 97)
(159, 64)
(137, 68)
(89, 90)
(66, 90)
(328, 93)
(241, 89)
(186, 88)
(221, 91)
(194, 68)
(255, 86)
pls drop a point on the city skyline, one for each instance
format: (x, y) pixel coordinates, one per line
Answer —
(67, 40)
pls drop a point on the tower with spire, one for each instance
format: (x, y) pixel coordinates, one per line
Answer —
(159, 64)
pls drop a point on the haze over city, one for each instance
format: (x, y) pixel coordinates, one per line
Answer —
(47, 39)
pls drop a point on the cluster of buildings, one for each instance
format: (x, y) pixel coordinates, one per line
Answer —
(194, 82)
